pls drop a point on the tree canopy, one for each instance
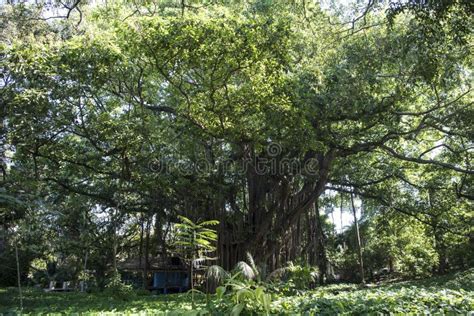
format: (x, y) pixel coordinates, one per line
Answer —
(267, 116)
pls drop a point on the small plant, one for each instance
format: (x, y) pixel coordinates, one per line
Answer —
(195, 240)
(295, 278)
(303, 277)
(244, 288)
(245, 295)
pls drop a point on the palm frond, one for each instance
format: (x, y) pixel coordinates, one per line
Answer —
(245, 270)
(209, 223)
(252, 263)
(216, 274)
(186, 220)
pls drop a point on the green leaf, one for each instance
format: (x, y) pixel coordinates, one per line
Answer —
(237, 309)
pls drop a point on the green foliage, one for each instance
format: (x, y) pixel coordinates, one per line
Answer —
(196, 236)
(245, 296)
(406, 247)
(462, 280)
(302, 277)
(404, 300)
(418, 260)
(195, 241)
(443, 295)
(244, 289)
(37, 301)
(294, 278)
(99, 119)
(117, 289)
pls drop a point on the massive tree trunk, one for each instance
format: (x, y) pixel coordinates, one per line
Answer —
(288, 215)
(273, 205)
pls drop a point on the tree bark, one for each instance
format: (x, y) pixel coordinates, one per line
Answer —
(310, 240)
(114, 241)
(301, 202)
(440, 247)
(83, 285)
(140, 251)
(342, 205)
(18, 274)
(359, 246)
(320, 245)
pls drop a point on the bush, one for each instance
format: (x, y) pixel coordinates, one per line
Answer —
(302, 277)
(294, 278)
(244, 296)
(117, 289)
(417, 260)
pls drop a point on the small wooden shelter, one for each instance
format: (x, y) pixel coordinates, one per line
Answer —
(164, 274)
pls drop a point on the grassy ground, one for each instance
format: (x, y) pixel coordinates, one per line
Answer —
(452, 294)
(36, 302)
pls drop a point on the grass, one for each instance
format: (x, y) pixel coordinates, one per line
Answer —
(39, 302)
(453, 294)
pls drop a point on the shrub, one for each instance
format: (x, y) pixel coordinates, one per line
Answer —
(294, 278)
(303, 277)
(245, 296)
(116, 288)
(418, 260)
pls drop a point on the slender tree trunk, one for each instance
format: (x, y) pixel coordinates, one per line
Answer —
(342, 204)
(147, 250)
(83, 282)
(114, 247)
(18, 275)
(390, 264)
(441, 250)
(140, 252)
(298, 238)
(320, 245)
(310, 240)
(439, 243)
(114, 254)
(359, 247)
(192, 269)
(333, 221)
